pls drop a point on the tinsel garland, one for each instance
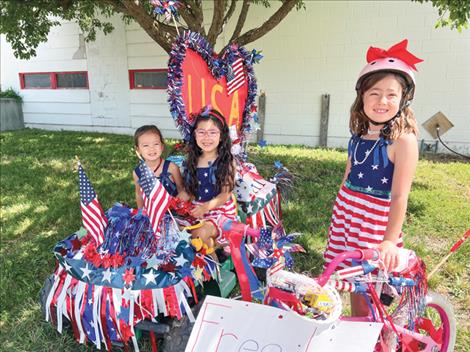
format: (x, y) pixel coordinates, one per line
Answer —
(218, 66)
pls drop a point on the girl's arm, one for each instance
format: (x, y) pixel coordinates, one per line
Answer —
(346, 171)
(175, 172)
(405, 160)
(220, 199)
(138, 195)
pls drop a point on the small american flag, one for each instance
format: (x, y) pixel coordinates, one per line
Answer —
(156, 197)
(235, 76)
(93, 216)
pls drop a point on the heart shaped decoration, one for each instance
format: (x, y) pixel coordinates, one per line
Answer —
(197, 77)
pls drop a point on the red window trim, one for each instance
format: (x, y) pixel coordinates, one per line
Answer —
(132, 78)
(53, 76)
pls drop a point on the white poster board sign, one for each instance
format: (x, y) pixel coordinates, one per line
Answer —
(225, 325)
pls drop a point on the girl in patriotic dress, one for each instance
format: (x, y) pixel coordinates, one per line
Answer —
(209, 174)
(149, 143)
(382, 155)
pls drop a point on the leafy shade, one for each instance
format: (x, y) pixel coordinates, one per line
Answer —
(452, 13)
(27, 23)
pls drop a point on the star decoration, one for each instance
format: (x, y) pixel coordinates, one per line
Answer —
(360, 175)
(180, 260)
(262, 143)
(384, 180)
(206, 174)
(67, 267)
(369, 188)
(249, 209)
(198, 274)
(76, 244)
(127, 294)
(90, 301)
(356, 162)
(107, 275)
(375, 167)
(128, 276)
(150, 277)
(86, 272)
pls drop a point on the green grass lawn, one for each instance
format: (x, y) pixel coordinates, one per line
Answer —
(40, 206)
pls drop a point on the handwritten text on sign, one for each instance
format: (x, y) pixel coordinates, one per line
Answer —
(225, 325)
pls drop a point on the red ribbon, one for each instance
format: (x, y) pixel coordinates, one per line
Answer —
(235, 239)
(397, 51)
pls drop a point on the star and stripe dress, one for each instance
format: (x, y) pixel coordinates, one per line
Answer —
(361, 209)
(207, 190)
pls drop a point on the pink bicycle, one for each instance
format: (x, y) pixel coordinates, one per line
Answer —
(421, 320)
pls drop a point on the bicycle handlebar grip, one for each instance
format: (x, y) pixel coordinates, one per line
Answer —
(370, 254)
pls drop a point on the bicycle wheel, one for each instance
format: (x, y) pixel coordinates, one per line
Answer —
(437, 322)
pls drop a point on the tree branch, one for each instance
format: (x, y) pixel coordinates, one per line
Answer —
(228, 15)
(272, 22)
(195, 8)
(217, 21)
(241, 20)
(162, 33)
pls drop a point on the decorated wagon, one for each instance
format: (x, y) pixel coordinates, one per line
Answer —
(129, 270)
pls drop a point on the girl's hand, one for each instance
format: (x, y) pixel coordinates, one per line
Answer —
(389, 255)
(184, 196)
(199, 210)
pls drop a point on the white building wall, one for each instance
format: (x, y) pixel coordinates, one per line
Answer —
(322, 49)
(312, 52)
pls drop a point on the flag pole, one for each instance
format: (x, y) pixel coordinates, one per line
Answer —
(452, 250)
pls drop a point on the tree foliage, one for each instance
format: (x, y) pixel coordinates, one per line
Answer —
(27, 23)
(452, 13)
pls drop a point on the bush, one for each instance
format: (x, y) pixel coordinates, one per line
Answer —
(11, 93)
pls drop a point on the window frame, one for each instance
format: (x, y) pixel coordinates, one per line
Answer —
(132, 78)
(53, 78)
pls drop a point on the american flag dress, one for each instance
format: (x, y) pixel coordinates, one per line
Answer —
(361, 209)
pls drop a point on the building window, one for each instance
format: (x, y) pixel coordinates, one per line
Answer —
(36, 80)
(72, 80)
(148, 79)
(54, 80)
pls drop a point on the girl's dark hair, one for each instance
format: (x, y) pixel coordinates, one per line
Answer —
(404, 123)
(144, 129)
(225, 171)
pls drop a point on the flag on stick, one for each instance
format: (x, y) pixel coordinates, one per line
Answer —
(93, 216)
(156, 197)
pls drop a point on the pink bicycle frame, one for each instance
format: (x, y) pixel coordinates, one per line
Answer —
(373, 254)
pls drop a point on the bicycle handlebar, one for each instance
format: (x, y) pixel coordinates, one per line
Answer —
(359, 254)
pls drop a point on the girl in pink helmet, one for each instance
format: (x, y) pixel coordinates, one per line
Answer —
(382, 155)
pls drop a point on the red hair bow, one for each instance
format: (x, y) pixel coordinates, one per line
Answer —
(397, 51)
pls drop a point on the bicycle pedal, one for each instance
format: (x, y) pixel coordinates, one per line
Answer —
(386, 299)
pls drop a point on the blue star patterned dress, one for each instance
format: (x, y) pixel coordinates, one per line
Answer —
(360, 213)
(165, 178)
(206, 191)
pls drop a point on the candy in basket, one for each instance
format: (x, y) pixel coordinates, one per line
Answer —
(303, 295)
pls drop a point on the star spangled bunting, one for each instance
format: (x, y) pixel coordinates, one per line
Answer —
(93, 216)
(235, 76)
(156, 197)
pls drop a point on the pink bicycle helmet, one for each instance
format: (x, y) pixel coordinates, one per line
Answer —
(396, 59)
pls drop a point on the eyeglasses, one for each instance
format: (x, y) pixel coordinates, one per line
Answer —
(209, 133)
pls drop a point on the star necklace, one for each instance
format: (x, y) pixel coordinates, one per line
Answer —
(368, 152)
